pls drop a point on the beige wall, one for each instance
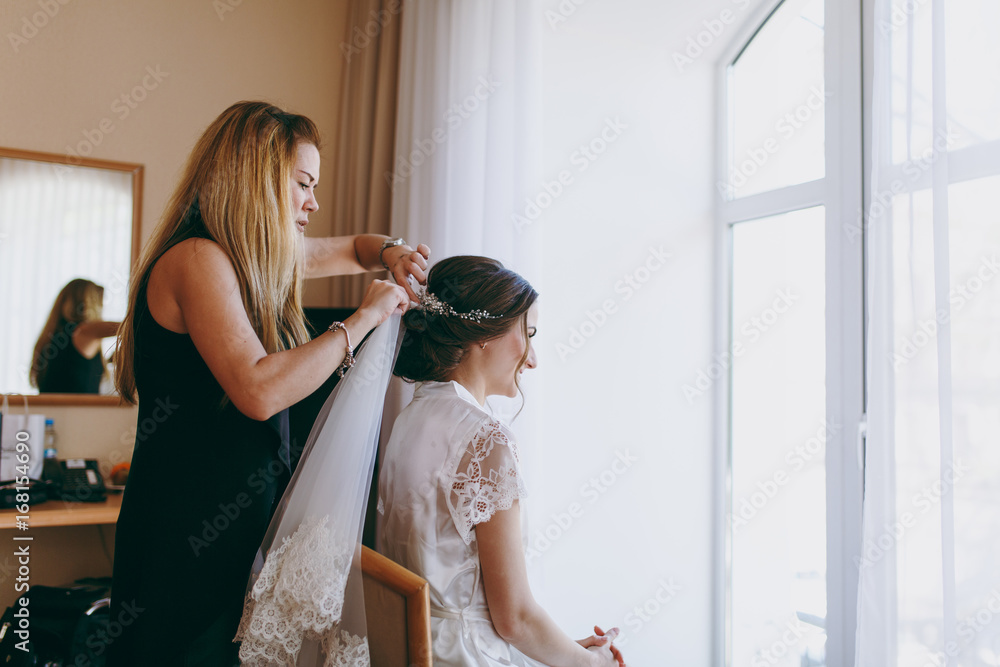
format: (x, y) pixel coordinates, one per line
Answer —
(61, 80)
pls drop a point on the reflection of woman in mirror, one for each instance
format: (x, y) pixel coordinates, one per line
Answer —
(67, 357)
(215, 345)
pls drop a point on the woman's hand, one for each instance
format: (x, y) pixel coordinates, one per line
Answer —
(609, 637)
(344, 255)
(602, 654)
(381, 300)
(600, 644)
(403, 262)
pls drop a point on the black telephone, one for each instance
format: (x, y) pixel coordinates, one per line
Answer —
(74, 480)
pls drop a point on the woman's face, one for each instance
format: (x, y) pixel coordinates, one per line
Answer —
(305, 176)
(502, 356)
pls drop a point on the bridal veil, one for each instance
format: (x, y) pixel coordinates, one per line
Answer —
(305, 602)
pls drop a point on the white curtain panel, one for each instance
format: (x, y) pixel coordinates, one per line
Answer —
(467, 137)
(877, 582)
(929, 582)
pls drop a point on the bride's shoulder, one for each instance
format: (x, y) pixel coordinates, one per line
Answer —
(489, 424)
(489, 433)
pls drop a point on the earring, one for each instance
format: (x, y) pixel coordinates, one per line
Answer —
(482, 346)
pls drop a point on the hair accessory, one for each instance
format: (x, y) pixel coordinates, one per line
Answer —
(435, 306)
(349, 358)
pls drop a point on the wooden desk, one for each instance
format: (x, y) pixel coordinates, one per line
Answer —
(61, 513)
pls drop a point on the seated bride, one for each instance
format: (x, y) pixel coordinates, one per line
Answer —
(451, 481)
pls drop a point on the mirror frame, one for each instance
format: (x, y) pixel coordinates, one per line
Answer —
(136, 170)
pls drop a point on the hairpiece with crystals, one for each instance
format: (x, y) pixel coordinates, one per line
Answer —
(435, 306)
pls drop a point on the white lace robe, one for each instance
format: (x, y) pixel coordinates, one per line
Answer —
(448, 466)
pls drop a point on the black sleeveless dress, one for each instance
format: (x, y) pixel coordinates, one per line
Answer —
(68, 371)
(201, 491)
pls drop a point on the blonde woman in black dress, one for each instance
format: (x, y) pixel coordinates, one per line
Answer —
(67, 357)
(215, 345)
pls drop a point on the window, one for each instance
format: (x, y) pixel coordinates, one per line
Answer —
(778, 441)
(789, 132)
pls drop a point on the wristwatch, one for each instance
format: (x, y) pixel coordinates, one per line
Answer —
(389, 243)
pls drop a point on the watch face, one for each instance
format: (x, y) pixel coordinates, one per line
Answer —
(391, 243)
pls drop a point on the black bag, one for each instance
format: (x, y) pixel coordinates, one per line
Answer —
(66, 627)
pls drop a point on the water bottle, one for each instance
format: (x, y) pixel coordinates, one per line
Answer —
(50, 439)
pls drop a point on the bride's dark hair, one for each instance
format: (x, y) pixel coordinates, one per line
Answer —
(433, 345)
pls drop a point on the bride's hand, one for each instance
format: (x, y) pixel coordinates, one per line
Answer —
(600, 639)
(602, 655)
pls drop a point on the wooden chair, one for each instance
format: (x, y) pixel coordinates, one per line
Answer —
(398, 611)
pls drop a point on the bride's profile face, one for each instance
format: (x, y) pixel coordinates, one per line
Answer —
(503, 356)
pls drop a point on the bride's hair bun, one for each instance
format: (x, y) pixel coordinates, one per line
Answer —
(433, 344)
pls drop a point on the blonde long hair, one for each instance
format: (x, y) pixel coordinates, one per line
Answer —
(237, 182)
(80, 300)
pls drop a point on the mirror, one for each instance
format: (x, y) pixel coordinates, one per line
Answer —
(61, 217)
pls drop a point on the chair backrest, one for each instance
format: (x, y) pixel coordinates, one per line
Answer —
(398, 611)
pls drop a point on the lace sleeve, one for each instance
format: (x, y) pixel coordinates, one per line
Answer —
(487, 478)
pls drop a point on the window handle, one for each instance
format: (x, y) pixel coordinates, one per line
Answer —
(862, 441)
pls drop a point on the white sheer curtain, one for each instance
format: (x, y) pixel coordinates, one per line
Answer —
(467, 134)
(929, 588)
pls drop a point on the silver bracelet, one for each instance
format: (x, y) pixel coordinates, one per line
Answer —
(349, 358)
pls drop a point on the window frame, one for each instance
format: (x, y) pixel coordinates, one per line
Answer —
(842, 192)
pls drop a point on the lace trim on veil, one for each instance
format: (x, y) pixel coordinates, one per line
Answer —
(299, 595)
